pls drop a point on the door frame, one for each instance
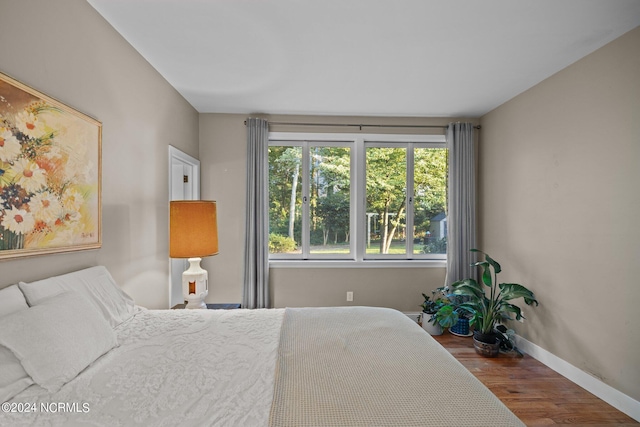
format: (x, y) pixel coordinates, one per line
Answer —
(180, 264)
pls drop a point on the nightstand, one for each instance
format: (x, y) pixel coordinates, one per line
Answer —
(212, 306)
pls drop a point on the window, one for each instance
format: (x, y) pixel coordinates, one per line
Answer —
(310, 199)
(357, 197)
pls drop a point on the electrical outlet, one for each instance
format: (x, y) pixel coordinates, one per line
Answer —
(349, 296)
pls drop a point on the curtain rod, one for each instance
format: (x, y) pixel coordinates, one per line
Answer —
(359, 125)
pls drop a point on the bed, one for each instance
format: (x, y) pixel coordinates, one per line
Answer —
(76, 350)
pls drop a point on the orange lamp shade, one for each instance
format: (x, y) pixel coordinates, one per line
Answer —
(193, 229)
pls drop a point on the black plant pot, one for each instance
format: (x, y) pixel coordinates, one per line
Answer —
(487, 345)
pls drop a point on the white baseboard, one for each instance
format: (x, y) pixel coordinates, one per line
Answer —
(613, 397)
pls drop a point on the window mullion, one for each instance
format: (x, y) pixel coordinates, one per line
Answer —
(306, 184)
(410, 200)
(359, 203)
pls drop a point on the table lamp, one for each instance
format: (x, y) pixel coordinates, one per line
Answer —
(193, 234)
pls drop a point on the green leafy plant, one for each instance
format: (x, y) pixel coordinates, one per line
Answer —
(432, 304)
(492, 308)
(451, 312)
(447, 316)
(436, 247)
(281, 244)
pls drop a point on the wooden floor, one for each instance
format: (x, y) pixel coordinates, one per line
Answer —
(535, 393)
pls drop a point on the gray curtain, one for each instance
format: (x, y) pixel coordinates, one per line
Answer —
(462, 202)
(256, 249)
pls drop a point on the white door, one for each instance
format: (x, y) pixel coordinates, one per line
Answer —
(184, 184)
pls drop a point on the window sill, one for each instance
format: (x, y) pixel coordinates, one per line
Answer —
(378, 263)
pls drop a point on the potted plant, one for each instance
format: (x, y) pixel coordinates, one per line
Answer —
(453, 316)
(492, 309)
(430, 307)
(461, 323)
(446, 316)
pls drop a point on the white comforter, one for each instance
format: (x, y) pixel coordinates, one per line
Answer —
(172, 367)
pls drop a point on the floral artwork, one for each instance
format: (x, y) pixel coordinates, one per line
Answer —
(49, 174)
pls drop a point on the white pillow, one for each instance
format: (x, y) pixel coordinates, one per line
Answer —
(95, 283)
(57, 339)
(13, 378)
(11, 300)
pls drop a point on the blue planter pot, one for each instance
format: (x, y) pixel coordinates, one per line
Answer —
(461, 328)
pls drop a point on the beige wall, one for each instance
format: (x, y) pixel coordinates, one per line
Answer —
(398, 288)
(66, 50)
(223, 151)
(560, 209)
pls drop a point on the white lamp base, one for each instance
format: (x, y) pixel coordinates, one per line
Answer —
(195, 284)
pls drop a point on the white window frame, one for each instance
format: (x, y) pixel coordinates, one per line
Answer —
(358, 143)
(306, 144)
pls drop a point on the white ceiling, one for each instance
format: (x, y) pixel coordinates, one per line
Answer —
(363, 57)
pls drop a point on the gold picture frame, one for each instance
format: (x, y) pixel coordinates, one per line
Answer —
(50, 175)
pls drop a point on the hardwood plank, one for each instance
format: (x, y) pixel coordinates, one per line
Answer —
(534, 392)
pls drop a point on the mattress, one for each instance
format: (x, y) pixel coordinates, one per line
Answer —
(356, 366)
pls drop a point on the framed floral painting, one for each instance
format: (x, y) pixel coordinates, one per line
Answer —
(50, 172)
